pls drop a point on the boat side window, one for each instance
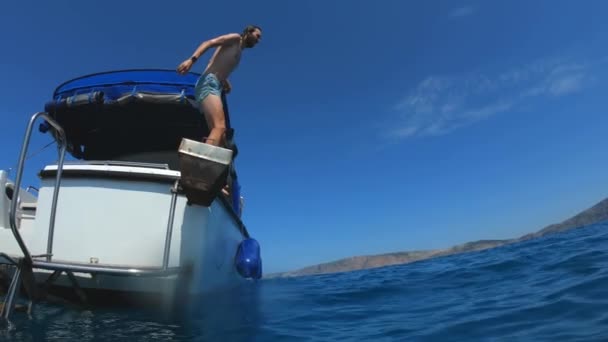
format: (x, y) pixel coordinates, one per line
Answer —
(9, 190)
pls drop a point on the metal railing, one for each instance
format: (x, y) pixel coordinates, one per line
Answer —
(26, 264)
(15, 201)
(125, 271)
(48, 264)
(105, 270)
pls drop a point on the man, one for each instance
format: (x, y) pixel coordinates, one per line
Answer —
(214, 79)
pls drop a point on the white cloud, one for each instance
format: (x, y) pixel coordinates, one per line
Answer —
(462, 12)
(488, 110)
(567, 84)
(441, 104)
(560, 79)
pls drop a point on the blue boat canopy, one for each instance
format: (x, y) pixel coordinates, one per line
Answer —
(116, 84)
(112, 114)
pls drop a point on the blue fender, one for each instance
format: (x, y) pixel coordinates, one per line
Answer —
(248, 260)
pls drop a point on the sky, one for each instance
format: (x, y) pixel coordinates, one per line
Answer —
(363, 127)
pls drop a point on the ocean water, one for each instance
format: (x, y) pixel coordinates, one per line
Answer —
(553, 288)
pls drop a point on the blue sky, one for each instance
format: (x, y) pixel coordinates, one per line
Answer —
(363, 127)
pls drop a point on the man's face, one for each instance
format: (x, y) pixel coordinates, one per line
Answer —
(253, 38)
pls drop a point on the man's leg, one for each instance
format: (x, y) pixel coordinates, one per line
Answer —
(213, 110)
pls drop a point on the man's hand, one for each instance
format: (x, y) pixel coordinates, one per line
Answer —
(227, 86)
(183, 68)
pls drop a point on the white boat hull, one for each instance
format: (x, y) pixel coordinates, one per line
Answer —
(119, 217)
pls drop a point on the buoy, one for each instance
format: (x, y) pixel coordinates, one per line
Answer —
(248, 261)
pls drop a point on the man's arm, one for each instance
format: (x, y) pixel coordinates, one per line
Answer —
(226, 39)
(217, 41)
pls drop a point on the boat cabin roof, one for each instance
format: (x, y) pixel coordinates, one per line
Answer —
(112, 115)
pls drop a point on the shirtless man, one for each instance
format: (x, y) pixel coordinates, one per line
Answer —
(214, 79)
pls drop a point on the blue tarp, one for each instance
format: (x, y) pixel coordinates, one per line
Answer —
(129, 111)
(98, 110)
(115, 84)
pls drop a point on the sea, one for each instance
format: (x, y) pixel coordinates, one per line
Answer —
(553, 288)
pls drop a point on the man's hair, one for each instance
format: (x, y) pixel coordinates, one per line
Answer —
(249, 29)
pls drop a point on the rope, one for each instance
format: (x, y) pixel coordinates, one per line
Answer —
(32, 154)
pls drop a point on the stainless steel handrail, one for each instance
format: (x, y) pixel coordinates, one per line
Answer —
(125, 271)
(169, 235)
(107, 270)
(14, 202)
(61, 266)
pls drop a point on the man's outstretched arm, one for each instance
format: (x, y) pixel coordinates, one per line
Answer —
(230, 38)
(217, 41)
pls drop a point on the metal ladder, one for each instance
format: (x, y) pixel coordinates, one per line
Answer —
(24, 266)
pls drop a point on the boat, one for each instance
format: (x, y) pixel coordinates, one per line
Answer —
(138, 212)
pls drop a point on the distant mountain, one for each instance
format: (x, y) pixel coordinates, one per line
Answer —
(595, 214)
